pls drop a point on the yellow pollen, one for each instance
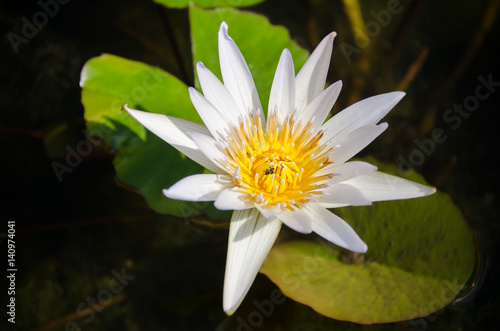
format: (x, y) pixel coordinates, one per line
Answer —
(277, 167)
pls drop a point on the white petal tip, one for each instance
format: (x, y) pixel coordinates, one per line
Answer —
(358, 247)
(200, 66)
(400, 94)
(287, 52)
(223, 29)
(169, 193)
(424, 190)
(383, 126)
(361, 249)
(230, 309)
(330, 37)
(429, 190)
(218, 204)
(138, 115)
(127, 109)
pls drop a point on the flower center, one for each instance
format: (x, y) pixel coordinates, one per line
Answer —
(278, 167)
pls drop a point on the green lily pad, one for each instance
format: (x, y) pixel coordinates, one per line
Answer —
(207, 3)
(421, 254)
(260, 42)
(142, 160)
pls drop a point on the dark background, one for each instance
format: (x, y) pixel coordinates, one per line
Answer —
(74, 235)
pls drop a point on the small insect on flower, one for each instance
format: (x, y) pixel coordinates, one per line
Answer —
(287, 168)
(269, 171)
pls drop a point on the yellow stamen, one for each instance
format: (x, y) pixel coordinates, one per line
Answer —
(277, 167)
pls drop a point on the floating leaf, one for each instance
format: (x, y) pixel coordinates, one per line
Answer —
(207, 3)
(421, 253)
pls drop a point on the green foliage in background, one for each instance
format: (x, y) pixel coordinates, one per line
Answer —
(207, 3)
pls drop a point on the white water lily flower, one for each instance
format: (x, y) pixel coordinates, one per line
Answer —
(286, 169)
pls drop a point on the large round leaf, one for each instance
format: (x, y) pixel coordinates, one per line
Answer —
(207, 3)
(421, 253)
(142, 160)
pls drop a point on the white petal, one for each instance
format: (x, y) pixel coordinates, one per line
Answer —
(353, 142)
(233, 199)
(174, 130)
(320, 107)
(311, 79)
(235, 73)
(345, 171)
(332, 205)
(215, 121)
(297, 220)
(344, 195)
(211, 148)
(282, 97)
(365, 112)
(251, 237)
(269, 212)
(379, 186)
(203, 187)
(334, 229)
(217, 94)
